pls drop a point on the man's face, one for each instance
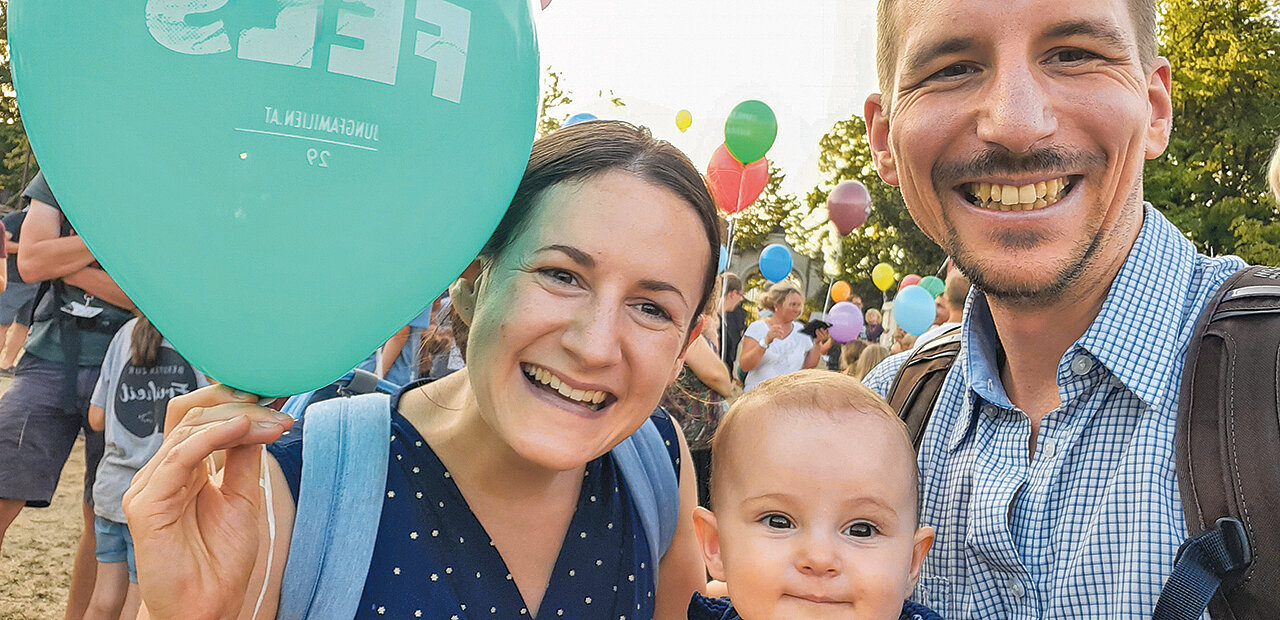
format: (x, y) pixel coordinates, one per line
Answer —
(1017, 132)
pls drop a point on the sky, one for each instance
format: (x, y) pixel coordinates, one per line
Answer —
(812, 61)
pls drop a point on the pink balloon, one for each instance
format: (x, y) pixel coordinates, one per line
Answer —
(848, 206)
(909, 280)
(545, 3)
(735, 186)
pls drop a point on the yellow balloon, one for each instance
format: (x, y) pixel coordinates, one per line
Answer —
(683, 120)
(882, 276)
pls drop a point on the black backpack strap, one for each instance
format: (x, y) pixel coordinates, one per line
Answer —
(916, 387)
(1227, 449)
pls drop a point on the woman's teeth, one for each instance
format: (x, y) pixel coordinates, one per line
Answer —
(590, 398)
(1017, 198)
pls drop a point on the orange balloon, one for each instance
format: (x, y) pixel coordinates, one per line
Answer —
(840, 291)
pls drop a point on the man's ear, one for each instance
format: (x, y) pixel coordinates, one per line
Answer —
(708, 532)
(462, 293)
(924, 541)
(1161, 101)
(877, 119)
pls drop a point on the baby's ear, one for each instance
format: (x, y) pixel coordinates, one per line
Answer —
(704, 525)
(924, 540)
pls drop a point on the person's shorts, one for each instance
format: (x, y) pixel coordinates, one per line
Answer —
(39, 423)
(16, 301)
(114, 544)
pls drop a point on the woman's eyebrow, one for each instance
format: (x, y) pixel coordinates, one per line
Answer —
(659, 285)
(574, 254)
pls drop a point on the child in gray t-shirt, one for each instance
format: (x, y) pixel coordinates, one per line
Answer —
(140, 373)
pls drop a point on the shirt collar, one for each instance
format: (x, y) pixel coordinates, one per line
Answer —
(1139, 322)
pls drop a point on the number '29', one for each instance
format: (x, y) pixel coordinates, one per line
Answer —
(283, 32)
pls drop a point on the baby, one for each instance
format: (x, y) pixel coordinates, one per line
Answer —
(815, 489)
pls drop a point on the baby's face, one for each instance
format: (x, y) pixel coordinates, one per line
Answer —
(815, 519)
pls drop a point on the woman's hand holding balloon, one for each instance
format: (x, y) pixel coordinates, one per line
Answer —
(197, 537)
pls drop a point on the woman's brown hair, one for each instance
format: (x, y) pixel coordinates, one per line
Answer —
(145, 346)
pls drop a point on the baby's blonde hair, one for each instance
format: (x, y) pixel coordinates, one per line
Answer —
(804, 394)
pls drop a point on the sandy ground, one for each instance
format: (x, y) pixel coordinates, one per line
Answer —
(35, 564)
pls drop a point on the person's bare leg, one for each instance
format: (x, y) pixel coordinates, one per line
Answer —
(13, 343)
(109, 590)
(84, 572)
(132, 603)
(9, 509)
(4, 338)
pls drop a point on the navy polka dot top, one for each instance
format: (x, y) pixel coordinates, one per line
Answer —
(433, 559)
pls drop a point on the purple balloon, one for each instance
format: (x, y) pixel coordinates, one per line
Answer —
(846, 322)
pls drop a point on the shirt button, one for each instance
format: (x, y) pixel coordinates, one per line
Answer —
(1081, 364)
(1015, 588)
(989, 410)
(1049, 448)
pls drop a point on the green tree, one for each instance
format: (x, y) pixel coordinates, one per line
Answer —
(1226, 112)
(17, 165)
(889, 235)
(552, 111)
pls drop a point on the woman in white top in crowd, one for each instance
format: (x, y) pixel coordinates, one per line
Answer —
(775, 345)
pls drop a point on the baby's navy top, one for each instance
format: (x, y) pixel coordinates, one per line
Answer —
(433, 559)
(703, 608)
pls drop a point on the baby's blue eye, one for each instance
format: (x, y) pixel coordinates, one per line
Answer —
(860, 530)
(777, 522)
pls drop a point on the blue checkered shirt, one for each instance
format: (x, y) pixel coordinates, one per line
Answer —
(1090, 526)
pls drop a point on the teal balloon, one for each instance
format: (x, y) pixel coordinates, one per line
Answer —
(775, 262)
(279, 187)
(750, 131)
(913, 309)
(933, 284)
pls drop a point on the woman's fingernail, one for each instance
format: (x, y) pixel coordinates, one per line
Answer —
(242, 395)
(266, 425)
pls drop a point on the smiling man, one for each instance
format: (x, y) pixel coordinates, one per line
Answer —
(1017, 131)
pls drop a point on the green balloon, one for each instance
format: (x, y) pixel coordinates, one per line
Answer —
(750, 131)
(279, 185)
(933, 284)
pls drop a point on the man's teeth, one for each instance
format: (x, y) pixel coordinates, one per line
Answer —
(1018, 198)
(543, 376)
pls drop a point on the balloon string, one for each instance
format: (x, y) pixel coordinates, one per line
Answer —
(265, 482)
(728, 261)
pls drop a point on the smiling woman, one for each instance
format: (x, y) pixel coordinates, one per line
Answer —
(503, 498)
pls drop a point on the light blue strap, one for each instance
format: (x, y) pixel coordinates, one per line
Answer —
(646, 469)
(346, 442)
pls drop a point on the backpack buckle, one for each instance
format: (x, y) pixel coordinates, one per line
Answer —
(1223, 550)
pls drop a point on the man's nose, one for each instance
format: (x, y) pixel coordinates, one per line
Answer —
(1016, 112)
(593, 335)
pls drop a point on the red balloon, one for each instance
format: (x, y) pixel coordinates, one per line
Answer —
(735, 186)
(545, 3)
(909, 281)
(848, 206)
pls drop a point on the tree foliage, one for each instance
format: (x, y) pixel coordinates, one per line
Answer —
(754, 224)
(17, 165)
(1211, 181)
(889, 235)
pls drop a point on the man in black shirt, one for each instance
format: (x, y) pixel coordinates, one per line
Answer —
(735, 319)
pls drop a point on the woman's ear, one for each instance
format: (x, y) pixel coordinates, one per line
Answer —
(462, 293)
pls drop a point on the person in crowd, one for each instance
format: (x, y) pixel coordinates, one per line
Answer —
(140, 374)
(902, 341)
(776, 345)
(868, 359)
(816, 506)
(873, 329)
(697, 400)
(733, 319)
(1056, 422)
(502, 469)
(45, 408)
(17, 297)
(849, 354)
(952, 300)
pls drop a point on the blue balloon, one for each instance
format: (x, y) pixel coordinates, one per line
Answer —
(913, 309)
(775, 262)
(724, 259)
(580, 118)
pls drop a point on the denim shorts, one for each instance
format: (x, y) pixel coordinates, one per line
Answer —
(114, 544)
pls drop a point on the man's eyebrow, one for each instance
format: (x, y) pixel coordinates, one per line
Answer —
(922, 57)
(574, 254)
(1103, 31)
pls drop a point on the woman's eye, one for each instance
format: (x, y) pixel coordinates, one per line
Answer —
(778, 522)
(860, 530)
(560, 275)
(654, 310)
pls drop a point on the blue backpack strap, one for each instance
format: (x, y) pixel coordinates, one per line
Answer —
(346, 443)
(646, 469)
(357, 381)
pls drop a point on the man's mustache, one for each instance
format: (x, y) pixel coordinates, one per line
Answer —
(998, 161)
